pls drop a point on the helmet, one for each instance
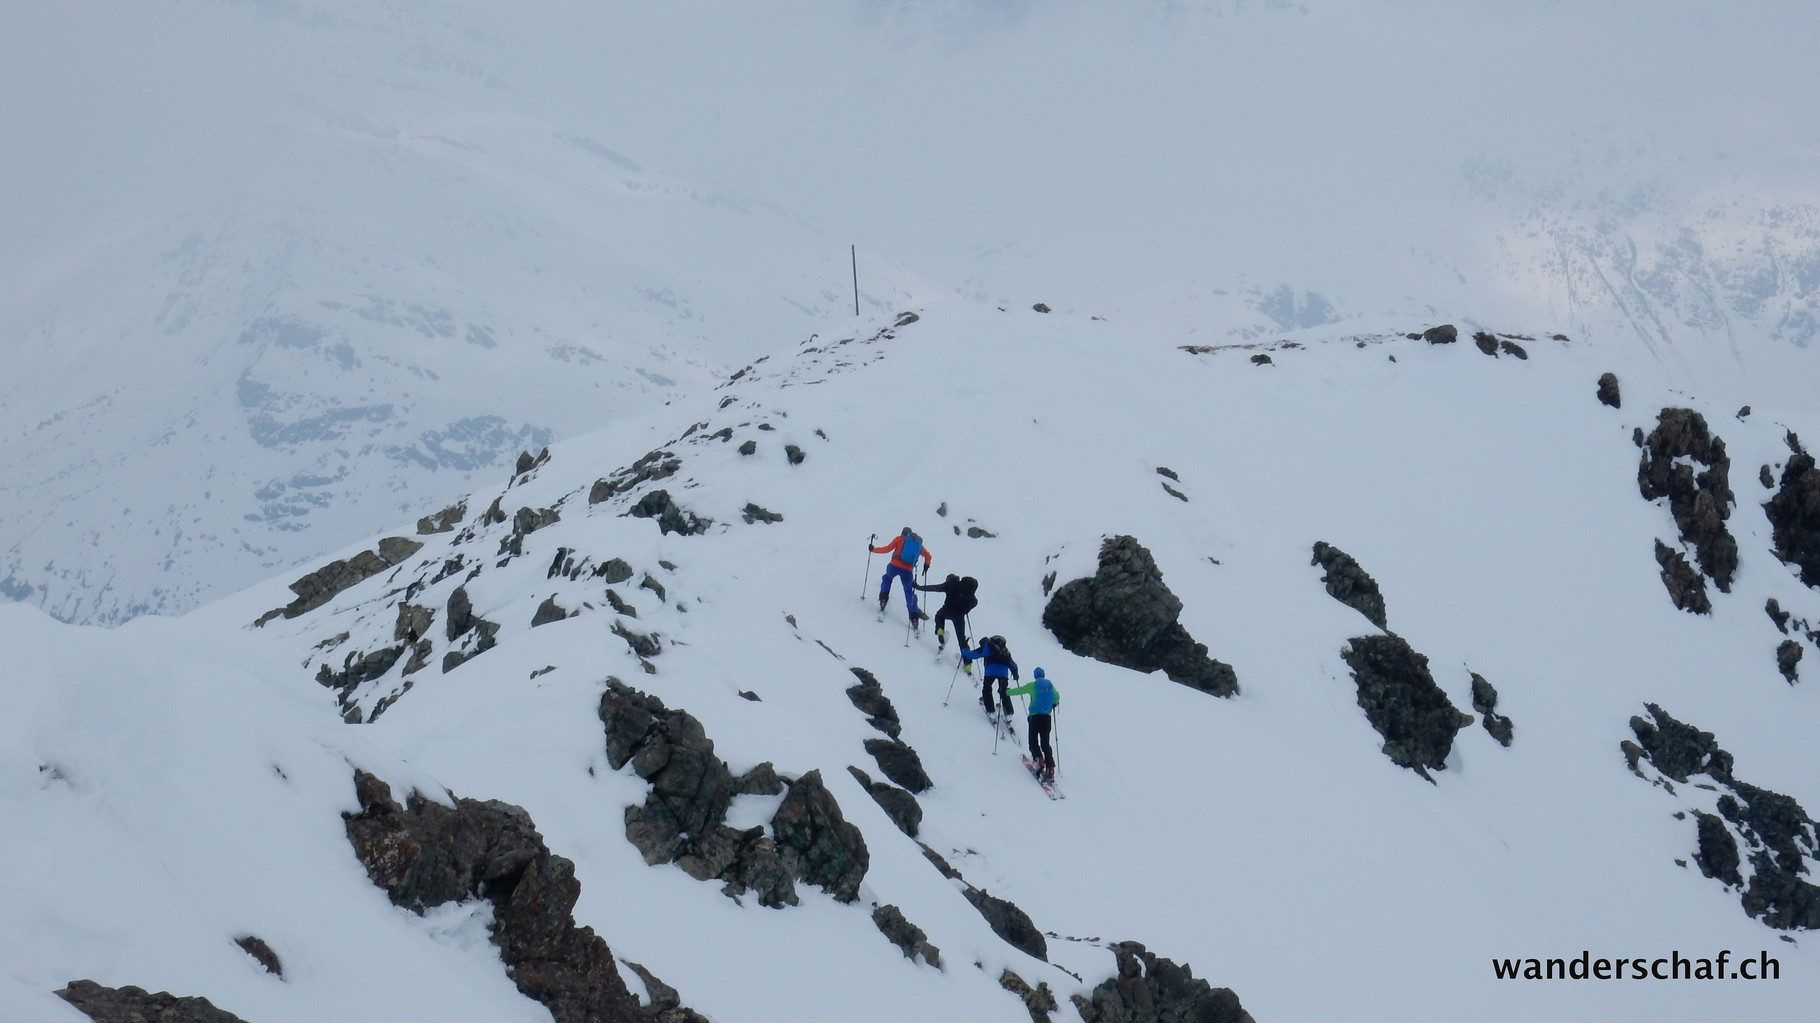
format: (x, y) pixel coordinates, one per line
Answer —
(1038, 673)
(952, 578)
(904, 532)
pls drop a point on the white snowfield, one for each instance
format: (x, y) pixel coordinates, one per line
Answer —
(278, 272)
(174, 784)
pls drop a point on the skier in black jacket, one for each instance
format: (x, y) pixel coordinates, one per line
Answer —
(958, 599)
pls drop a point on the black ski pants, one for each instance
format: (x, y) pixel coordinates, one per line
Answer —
(1004, 697)
(1040, 750)
(960, 625)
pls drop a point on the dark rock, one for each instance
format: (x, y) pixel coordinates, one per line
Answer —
(1744, 413)
(1700, 502)
(670, 518)
(1777, 615)
(262, 953)
(976, 533)
(136, 1005)
(1124, 615)
(460, 617)
(614, 570)
(1486, 343)
(547, 612)
(749, 448)
(898, 804)
(905, 935)
(641, 643)
(1260, 359)
(1608, 390)
(753, 513)
(321, 586)
(1765, 477)
(1512, 348)
(794, 454)
(649, 582)
(761, 780)
(1717, 855)
(1039, 1001)
(1788, 655)
(425, 854)
(652, 466)
(1150, 989)
(682, 820)
(1172, 492)
(1040, 307)
(1485, 701)
(899, 763)
(358, 668)
(906, 319)
(1445, 334)
(747, 694)
(1010, 923)
(1163, 470)
(619, 604)
(1794, 515)
(870, 698)
(530, 520)
(1685, 586)
(1680, 750)
(443, 521)
(816, 842)
(1402, 701)
(1349, 583)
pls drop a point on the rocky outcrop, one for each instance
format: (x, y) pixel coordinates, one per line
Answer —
(654, 465)
(425, 854)
(136, 1005)
(321, 586)
(892, 923)
(1485, 701)
(899, 763)
(671, 518)
(898, 804)
(1794, 514)
(1608, 390)
(1686, 587)
(443, 521)
(753, 513)
(1039, 1001)
(1349, 583)
(1699, 501)
(262, 953)
(870, 698)
(547, 612)
(461, 624)
(1010, 923)
(682, 820)
(1402, 701)
(1768, 829)
(1150, 989)
(1788, 659)
(816, 842)
(1124, 615)
(1445, 334)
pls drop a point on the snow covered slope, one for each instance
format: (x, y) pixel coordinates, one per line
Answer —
(173, 785)
(278, 271)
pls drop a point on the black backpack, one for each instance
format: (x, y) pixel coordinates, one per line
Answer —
(996, 650)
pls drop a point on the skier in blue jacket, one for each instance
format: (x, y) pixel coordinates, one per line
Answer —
(1044, 701)
(999, 666)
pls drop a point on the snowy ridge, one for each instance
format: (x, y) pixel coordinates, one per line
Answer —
(1263, 840)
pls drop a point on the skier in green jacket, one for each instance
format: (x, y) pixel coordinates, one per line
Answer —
(1044, 701)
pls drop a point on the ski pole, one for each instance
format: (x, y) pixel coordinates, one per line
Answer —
(871, 542)
(952, 676)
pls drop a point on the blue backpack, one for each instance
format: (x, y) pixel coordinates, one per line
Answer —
(913, 549)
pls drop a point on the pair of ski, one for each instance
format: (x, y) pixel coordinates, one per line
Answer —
(1036, 771)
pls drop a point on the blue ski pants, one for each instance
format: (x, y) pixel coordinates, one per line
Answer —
(898, 572)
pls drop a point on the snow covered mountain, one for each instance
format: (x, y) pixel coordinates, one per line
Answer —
(1473, 722)
(278, 272)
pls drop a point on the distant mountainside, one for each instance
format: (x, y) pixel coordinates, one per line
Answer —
(283, 272)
